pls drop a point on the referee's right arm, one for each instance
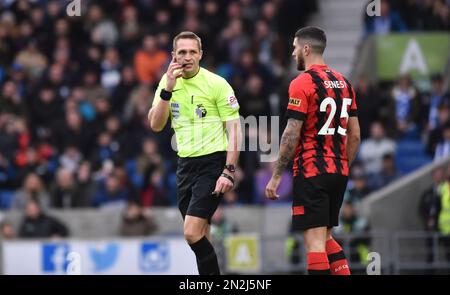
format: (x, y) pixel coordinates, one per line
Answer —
(159, 113)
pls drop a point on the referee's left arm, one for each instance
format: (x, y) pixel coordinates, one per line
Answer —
(234, 140)
(228, 108)
(224, 183)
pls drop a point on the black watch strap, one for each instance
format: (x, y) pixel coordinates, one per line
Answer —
(165, 95)
(228, 177)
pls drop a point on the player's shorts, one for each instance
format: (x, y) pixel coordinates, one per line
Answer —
(196, 180)
(317, 200)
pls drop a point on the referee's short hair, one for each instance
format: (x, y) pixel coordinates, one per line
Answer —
(187, 35)
(313, 36)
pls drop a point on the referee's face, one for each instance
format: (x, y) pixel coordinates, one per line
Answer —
(188, 54)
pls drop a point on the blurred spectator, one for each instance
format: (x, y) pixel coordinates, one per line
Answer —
(110, 69)
(111, 193)
(85, 183)
(437, 98)
(149, 156)
(103, 31)
(389, 21)
(149, 61)
(136, 223)
(32, 189)
(429, 206)
(10, 100)
(33, 61)
(443, 147)
(107, 149)
(435, 135)
(369, 103)
(406, 102)
(254, 100)
(36, 224)
(46, 115)
(358, 185)
(76, 132)
(388, 173)
(443, 216)
(7, 231)
(350, 221)
(70, 158)
(153, 193)
(221, 226)
(374, 148)
(91, 88)
(66, 193)
(121, 92)
(426, 15)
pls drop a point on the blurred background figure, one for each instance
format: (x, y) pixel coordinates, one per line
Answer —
(32, 190)
(136, 223)
(7, 231)
(36, 224)
(221, 226)
(372, 149)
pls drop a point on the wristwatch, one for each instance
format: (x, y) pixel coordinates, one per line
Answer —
(165, 95)
(230, 167)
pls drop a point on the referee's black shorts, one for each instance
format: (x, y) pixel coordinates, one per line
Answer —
(317, 200)
(196, 180)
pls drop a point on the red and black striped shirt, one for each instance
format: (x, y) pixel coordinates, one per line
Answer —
(324, 100)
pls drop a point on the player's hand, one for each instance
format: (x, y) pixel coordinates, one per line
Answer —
(174, 71)
(223, 185)
(271, 188)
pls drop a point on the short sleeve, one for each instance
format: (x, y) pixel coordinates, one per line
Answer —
(227, 103)
(161, 85)
(298, 100)
(353, 108)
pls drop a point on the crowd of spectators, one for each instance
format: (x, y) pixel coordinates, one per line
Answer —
(409, 15)
(75, 92)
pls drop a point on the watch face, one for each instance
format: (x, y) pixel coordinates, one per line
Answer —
(230, 168)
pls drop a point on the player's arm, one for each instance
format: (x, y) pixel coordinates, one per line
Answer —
(353, 138)
(159, 113)
(296, 113)
(288, 144)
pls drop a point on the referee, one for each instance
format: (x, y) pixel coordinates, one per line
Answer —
(203, 111)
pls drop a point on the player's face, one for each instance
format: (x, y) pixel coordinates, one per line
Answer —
(298, 55)
(188, 54)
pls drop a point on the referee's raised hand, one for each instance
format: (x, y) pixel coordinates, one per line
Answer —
(173, 72)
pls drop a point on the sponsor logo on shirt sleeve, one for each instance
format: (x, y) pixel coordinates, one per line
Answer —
(232, 101)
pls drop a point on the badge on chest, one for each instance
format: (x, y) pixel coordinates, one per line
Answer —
(200, 111)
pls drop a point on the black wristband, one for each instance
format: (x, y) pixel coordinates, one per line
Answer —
(165, 95)
(228, 177)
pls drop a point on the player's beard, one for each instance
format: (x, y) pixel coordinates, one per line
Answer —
(300, 62)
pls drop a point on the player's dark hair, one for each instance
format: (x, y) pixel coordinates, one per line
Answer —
(313, 36)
